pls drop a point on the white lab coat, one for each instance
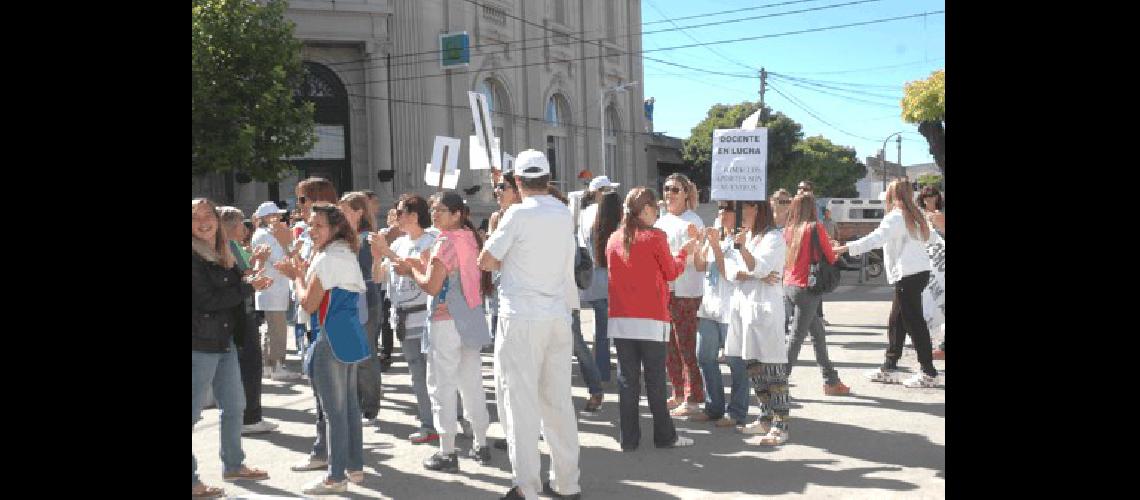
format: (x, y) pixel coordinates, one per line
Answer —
(756, 326)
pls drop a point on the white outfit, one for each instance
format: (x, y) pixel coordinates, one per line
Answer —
(535, 243)
(276, 297)
(403, 291)
(903, 254)
(756, 328)
(454, 367)
(336, 266)
(599, 285)
(689, 283)
(717, 301)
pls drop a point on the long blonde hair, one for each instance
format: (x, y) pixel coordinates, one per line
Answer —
(220, 254)
(800, 214)
(900, 194)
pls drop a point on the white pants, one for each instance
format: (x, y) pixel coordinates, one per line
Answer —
(532, 386)
(452, 366)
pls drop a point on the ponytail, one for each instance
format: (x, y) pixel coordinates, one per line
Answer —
(485, 284)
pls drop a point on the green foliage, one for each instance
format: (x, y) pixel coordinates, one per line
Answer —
(832, 169)
(925, 100)
(246, 65)
(930, 180)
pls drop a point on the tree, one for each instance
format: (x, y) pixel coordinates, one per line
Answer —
(929, 180)
(783, 134)
(246, 65)
(832, 169)
(924, 103)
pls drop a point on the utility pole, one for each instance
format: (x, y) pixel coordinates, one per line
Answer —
(763, 88)
(898, 142)
(760, 123)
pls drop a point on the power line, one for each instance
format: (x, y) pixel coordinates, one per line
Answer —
(864, 70)
(721, 13)
(847, 84)
(805, 108)
(841, 96)
(691, 37)
(838, 89)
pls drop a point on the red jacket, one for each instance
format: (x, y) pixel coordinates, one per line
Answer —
(639, 285)
(798, 275)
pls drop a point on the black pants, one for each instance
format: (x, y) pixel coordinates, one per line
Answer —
(906, 317)
(249, 359)
(385, 327)
(632, 355)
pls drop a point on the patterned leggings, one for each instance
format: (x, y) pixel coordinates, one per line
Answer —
(771, 385)
(681, 358)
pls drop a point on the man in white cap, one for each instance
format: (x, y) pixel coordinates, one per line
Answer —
(534, 248)
(274, 301)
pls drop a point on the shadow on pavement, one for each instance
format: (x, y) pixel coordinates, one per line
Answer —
(934, 409)
(896, 448)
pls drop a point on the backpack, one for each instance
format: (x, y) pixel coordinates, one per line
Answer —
(583, 268)
(823, 276)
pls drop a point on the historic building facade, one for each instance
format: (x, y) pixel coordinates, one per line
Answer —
(375, 75)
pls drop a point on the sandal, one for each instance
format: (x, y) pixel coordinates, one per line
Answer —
(207, 491)
(594, 403)
(248, 473)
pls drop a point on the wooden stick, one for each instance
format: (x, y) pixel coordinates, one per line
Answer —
(442, 169)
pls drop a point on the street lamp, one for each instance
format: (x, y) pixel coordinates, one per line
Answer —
(883, 157)
(602, 102)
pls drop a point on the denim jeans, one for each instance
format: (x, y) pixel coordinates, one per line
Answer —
(601, 337)
(219, 370)
(585, 360)
(710, 339)
(417, 368)
(336, 390)
(804, 320)
(369, 370)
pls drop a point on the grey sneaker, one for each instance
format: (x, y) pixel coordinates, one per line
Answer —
(320, 487)
(443, 463)
(310, 464)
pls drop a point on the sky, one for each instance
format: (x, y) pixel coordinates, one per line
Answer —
(855, 75)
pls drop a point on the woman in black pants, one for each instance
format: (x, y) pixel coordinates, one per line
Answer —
(903, 235)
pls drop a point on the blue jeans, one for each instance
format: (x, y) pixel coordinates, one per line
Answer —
(336, 388)
(601, 337)
(710, 338)
(220, 370)
(417, 368)
(585, 360)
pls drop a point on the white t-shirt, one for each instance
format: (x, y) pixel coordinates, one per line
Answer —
(276, 297)
(403, 290)
(535, 243)
(336, 266)
(716, 304)
(688, 284)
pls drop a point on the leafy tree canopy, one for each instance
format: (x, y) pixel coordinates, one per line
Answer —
(924, 103)
(245, 67)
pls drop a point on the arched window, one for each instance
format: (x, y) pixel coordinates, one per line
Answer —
(558, 147)
(614, 165)
(501, 117)
(329, 156)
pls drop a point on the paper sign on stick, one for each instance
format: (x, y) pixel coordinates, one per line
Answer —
(444, 154)
(739, 164)
(484, 130)
(478, 156)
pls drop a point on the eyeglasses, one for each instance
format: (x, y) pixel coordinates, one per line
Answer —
(502, 186)
(673, 189)
(784, 202)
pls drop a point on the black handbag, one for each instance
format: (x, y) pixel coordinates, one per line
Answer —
(823, 276)
(583, 268)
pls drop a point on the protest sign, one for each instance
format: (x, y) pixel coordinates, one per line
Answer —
(934, 295)
(477, 156)
(443, 171)
(739, 164)
(484, 130)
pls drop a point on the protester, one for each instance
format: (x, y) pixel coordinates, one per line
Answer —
(718, 260)
(506, 194)
(598, 221)
(249, 350)
(930, 201)
(757, 330)
(218, 292)
(328, 288)
(273, 301)
(640, 266)
(457, 329)
(390, 233)
(800, 255)
(684, 299)
(355, 207)
(902, 235)
(409, 301)
(533, 245)
(808, 188)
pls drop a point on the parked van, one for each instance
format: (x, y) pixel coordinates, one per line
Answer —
(855, 217)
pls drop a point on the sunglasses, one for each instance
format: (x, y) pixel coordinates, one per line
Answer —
(300, 200)
(673, 189)
(502, 186)
(724, 207)
(784, 202)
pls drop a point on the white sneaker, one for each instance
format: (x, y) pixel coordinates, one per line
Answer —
(774, 437)
(757, 427)
(259, 428)
(883, 377)
(321, 488)
(682, 442)
(310, 464)
(921, 380)
(281, 373)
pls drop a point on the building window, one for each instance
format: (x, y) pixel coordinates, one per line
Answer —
(559, 11)
(501, 118)
(558, 146)
(611, 13)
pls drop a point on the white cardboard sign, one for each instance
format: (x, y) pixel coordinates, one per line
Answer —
(484, 130)
(444, 154)
(477, 156)
(739, 164)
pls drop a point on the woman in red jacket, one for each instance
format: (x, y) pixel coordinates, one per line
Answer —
(640, 268)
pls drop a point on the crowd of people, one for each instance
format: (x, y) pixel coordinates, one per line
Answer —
(675, 298)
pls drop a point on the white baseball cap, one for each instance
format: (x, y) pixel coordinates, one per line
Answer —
(600, 182)
(267, 208)
(531, 164)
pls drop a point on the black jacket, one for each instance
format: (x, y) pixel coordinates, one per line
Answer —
(218, 305)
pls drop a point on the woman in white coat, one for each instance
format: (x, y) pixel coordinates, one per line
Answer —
(756, 331)
(903, 235)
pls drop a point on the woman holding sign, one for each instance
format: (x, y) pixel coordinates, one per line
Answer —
(903, 235)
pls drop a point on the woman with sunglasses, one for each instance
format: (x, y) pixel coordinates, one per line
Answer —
(218, 293)
(329, 289)
(800, 233)
(930, 201)
(718, 260)
(506, 194)
(456, 330)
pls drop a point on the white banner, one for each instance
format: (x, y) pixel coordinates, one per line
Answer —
(477, 156)
(444, 154)
(484, 129)
(934, 295)
(739, 164)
